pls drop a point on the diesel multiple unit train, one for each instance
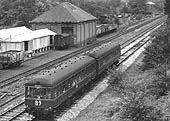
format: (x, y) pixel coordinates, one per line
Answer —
(47, 90)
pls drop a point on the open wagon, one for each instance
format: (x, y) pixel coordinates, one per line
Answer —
(11, 58)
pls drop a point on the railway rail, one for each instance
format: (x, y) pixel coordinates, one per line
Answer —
(17, 109)
(124, 56)
(13, 79)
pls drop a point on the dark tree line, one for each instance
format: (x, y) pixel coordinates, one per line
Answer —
(167, 8)
(19, 12)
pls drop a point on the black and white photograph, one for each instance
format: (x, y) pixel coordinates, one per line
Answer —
(84, 60)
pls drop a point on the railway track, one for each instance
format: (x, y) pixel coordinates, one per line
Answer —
(90, 97)
(17, 109)
(13, 111)
(13, 79)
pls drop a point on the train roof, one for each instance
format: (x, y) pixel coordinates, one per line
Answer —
(103, 49)
(54, 76)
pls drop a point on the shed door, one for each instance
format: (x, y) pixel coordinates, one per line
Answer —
(26, 45)
(68, 30)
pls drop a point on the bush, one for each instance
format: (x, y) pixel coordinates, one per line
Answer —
(134, 104)
(116, 80)
(161, 84)
(158, 52)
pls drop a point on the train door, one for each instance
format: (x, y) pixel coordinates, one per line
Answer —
(25, 45)
(68, 30)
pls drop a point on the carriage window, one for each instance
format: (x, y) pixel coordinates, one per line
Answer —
(27, 92)
(38, 93)
(63, 88)
(66, 84)
(56, 92)
(70, 83)
(48, 93)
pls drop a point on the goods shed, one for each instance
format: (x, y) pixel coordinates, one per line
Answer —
(8, 38)
(67, 18)
(32, 41)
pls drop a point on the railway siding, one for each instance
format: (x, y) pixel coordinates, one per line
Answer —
(46, 58)
(92, 94)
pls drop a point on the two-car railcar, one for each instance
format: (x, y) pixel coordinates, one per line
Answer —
(48, 90)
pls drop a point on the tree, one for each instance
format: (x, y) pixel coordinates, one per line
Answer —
(138, 6)
(158, 51)
(161, 84)
(114, 4)
(134, 102)
(19, 12)
(95, 8)
(167, 8)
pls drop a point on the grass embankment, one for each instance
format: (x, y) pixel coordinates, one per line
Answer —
(133, 91)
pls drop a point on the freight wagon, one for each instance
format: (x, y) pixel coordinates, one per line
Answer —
(11, 58)
(62, 41)
(104, 29)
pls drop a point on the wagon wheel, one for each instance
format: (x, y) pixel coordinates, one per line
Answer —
(18, 63)
(4, 66)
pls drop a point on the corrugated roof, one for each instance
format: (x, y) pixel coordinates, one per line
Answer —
(64, 13)
(42, 33)
(28, 36)
(6, 33)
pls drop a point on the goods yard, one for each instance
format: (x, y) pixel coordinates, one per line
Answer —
(128, 35)
(45, 67)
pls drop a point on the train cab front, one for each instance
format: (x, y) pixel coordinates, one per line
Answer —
(38, 101)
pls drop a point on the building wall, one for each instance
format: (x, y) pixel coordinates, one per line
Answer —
(87, 32)
(39, 43)
(54, 27)
(94, 31)
(75, 34)
(79, 35)
(33, 45)
(90, 31)
(83, 33)
(5, 46)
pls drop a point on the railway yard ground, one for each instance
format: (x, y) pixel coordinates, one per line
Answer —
(51, 55)
(43, 58)
(97, 111)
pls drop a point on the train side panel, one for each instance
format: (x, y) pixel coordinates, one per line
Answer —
(43, 105)
(110, 58)
(106, 56)
(70, 82)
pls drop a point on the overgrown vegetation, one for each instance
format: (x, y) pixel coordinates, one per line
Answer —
(160, 86)
(158, 52)
(136, 102)
(147, 100)
(166, 8)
